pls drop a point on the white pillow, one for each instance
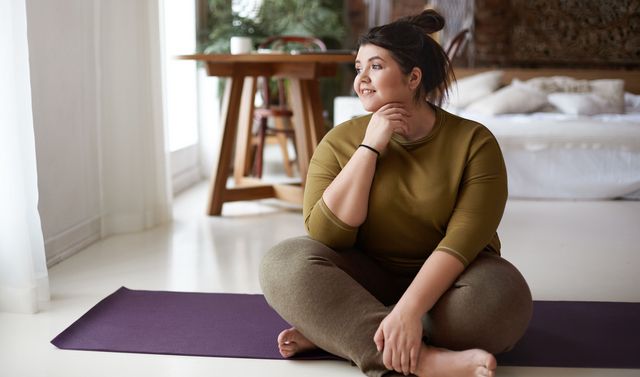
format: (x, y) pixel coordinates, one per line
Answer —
(468, 89)
(612, 91)
(515, 98)
(579, 103)
(631, 103)
(555, 84)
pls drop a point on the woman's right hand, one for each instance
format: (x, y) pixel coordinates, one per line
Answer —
(390, 118)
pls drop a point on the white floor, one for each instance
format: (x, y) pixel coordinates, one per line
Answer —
(566, 250)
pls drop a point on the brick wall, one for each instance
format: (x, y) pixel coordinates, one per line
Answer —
(536, 33)
(571, 33)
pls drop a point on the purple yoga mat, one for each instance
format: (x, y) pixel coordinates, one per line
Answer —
(579, 335)
(180, 323)
(561, 334)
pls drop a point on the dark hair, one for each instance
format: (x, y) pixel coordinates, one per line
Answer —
(410, 45)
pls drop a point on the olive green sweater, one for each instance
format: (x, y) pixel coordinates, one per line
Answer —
(446, 191)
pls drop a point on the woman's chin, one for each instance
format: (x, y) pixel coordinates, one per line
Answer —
(370, 107)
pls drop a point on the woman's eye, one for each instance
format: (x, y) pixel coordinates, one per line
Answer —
(376, 66)
(358, 70)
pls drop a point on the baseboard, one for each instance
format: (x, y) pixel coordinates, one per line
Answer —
(71, 241)
(185, 179)
(185, 168)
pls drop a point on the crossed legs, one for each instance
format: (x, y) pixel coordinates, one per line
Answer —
(336, 300)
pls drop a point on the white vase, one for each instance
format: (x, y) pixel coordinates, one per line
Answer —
(240, 45)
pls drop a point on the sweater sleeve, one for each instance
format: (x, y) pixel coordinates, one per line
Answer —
(321, 224)
(480, 203)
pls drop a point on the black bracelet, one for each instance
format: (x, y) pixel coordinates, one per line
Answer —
(372, 149)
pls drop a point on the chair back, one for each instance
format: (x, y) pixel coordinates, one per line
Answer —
(457, 43)
(278, 110)
(288, 43)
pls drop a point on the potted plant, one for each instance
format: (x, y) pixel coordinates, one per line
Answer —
(223, 23)
(318, 18)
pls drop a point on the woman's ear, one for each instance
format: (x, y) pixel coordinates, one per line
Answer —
(415, 78)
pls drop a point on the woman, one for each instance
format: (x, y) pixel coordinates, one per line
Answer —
(401, 271)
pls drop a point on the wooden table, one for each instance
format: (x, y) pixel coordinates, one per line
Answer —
(302, 72)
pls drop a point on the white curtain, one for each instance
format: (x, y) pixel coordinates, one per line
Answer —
(136, 192)
(127, 186)
(24, 284)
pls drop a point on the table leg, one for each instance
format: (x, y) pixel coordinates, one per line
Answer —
(316, 121)
(299, 124)
(242, 163)
(308, 122)
(229, 119)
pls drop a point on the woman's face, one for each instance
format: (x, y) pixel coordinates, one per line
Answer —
(379, 79)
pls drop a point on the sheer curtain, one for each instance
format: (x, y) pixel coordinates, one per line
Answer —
(134, 170)
(24, 284)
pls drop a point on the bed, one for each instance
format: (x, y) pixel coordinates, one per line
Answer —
(567, 148)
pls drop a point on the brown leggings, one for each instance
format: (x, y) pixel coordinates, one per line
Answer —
(338, 299)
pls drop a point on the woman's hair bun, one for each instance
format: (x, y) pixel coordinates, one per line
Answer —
(429, 20)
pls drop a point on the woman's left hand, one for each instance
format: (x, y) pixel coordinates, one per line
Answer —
(399, 336)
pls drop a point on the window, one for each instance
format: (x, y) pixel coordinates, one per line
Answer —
(180, 75)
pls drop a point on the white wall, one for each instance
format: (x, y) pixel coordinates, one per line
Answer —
(91, 64)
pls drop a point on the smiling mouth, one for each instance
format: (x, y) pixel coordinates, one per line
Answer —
(367, 91)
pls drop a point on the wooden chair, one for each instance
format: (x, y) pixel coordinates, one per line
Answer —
(275, 107)
(457, 44)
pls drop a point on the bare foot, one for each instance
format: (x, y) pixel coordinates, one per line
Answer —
(439, 362)
(291, 342)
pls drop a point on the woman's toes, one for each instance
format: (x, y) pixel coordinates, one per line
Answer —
(491, 362)
(284, 336)
(291, 342)
(286, 353)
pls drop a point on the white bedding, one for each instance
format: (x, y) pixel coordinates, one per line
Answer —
(559, 156)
